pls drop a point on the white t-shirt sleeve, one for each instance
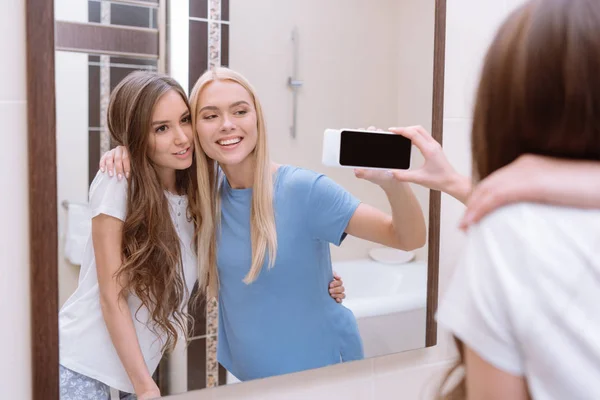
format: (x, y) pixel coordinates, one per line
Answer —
(476, 307)
(108, 195)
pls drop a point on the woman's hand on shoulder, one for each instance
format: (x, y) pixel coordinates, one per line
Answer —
(536, 179)
(116, 162)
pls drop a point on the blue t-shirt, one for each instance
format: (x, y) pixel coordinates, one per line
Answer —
(285, 321)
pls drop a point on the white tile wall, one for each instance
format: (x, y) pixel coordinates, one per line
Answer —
(457, 145)
(15, 363)
(512, 4)
(417, 383)
(12, 45)
(471, 25)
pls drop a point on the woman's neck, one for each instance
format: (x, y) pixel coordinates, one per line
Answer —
(168, 179)
(241, 176)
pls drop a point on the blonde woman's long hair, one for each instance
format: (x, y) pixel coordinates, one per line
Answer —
(262, 215)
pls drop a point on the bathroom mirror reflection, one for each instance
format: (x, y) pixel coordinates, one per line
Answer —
(315, 65)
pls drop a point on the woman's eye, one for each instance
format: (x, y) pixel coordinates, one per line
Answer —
(241, 112)
(186, 119)
(161, 128)
(210, 116)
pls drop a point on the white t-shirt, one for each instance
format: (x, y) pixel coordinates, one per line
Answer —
(526, 298)
(85, 344)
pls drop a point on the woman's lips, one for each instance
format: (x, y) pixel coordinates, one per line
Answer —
(184, 154)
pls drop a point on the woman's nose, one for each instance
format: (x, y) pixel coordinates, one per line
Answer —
(180, 136)
(227, 124)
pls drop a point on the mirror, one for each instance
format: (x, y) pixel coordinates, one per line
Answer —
(314, 65)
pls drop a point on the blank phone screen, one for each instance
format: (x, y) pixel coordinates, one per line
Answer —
(375, 150)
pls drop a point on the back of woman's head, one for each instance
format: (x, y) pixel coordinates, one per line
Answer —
(152, 267)
(540, 86)
(539, 93)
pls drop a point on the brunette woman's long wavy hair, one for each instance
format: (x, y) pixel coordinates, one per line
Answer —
(539, 93)
(152, 266)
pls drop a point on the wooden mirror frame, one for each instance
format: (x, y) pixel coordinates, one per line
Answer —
(43, 225)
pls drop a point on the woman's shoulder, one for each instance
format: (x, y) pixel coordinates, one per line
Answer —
(528, 219)
(108, 195)
(538, 239)
(306, 184)
(295, 176)
(103, 183)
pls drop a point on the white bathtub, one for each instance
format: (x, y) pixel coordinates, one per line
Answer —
(389, 303)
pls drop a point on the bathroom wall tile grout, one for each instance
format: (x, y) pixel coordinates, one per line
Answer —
(450, 119)
(12, 102)
(372, 379)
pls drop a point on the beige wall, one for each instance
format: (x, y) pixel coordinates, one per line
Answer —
(361, 65)
(470, 26)
(414, 27)
(71, 152)
(15, 363)
(71, 71)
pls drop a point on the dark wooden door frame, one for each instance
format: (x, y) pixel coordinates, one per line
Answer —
(435, 197)
(43, 224)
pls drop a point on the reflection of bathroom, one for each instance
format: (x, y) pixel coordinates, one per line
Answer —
(341, 87)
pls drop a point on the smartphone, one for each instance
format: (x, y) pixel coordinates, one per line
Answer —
(353, 148)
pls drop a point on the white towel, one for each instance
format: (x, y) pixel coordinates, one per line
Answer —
(79, 226)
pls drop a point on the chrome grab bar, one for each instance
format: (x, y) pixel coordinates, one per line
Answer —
(294, 83)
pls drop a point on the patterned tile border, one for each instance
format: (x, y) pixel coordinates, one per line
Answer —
(104, 84)
(214, 33)
(212, 308)
(212, 328)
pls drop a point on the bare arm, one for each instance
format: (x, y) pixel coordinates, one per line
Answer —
(537, 179)
(530, 178)
(106, 235)
(404, 229)
(486, 382)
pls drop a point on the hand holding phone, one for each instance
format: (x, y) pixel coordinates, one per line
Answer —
(352, 148)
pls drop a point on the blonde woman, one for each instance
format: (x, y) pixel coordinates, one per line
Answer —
(264, 244)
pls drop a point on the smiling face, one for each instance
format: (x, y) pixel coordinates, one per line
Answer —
(226, 123)
(171, 143)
